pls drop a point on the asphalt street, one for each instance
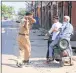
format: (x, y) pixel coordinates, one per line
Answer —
(9, 42)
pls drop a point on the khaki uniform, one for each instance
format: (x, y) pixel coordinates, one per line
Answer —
(24, 41)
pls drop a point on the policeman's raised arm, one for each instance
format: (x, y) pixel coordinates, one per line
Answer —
(32, 20)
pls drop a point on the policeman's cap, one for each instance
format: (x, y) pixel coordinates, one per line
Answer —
(28, 13)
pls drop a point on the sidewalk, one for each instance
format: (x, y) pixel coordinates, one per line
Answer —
(37, 65)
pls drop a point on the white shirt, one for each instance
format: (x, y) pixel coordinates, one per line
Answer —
(55, 25)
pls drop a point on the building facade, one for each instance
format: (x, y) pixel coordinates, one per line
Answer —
(45, 10)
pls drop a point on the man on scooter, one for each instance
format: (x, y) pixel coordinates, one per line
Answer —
(54, 31)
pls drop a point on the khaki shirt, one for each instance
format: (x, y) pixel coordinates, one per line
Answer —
(25, 28)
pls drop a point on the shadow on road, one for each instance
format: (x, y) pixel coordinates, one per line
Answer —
(42, 64)
(35, 63)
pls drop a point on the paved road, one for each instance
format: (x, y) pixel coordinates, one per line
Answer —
(9, 42)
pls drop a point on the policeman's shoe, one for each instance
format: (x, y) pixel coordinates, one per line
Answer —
(19, 65)
(25, 62)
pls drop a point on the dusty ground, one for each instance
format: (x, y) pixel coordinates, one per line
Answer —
(37, 65)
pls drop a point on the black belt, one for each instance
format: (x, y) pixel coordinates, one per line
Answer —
(22, 34)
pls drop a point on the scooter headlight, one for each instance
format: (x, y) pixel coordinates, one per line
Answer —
(63, 44)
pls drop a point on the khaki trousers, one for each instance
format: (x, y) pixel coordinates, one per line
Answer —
(24, 47)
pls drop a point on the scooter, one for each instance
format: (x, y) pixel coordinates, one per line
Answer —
(60, 53)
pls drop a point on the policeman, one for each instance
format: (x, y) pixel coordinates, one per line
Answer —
(23, 38)
(55, 31)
